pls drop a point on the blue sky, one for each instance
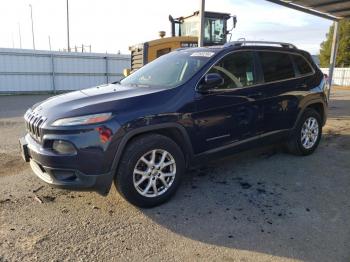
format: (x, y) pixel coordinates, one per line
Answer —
(112, 25)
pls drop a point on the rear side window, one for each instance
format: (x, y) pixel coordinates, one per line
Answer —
(276, 66)
(302, 65)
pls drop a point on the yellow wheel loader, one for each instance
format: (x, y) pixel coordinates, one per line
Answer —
(184, 33)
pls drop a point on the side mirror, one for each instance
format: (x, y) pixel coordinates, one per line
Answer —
(234, 20)
(211, 80)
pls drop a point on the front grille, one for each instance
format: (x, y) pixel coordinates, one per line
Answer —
(34, 122)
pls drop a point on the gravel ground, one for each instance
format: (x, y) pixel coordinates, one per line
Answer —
(260, 205)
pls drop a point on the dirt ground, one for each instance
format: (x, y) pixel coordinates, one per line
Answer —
(260, 205)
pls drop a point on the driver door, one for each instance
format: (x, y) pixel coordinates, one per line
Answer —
(228, 113)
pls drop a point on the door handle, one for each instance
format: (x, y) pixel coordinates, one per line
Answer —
(303, 86)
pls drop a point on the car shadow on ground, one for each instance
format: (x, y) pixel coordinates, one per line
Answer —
(266, 201)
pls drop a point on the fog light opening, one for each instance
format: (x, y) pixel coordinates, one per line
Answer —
(63, 147)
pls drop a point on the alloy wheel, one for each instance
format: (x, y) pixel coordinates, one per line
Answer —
(154, 173)
(309, 133)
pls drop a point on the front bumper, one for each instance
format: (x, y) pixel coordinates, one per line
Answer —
(67, 178)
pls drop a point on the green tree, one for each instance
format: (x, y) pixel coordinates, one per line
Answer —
(343, 57)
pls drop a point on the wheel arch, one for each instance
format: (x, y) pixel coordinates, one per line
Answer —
(174, 131)
(318, 105)
(319, 108)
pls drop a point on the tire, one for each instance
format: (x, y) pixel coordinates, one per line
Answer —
(136, 166)
(296, 144)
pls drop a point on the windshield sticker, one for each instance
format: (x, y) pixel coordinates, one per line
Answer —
(203, 54)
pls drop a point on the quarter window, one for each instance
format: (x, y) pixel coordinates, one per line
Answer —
(303, 67)
(276, 66)
(237, 69)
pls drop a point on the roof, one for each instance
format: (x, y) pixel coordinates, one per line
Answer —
(209, 14)
(329, 9)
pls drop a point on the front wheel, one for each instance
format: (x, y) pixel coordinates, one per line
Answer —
(150, 170)
(307, 134)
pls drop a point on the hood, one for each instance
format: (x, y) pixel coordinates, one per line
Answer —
(104, 98)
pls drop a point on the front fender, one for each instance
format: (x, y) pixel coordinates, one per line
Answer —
(146, 129)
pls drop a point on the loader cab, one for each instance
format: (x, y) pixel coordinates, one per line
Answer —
(215, 27)
(184, 34)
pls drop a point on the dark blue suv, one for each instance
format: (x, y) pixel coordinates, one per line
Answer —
(179, 110)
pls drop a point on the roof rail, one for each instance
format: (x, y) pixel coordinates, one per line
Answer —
(241, 43)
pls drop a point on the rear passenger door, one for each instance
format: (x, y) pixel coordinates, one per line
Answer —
(280, 85)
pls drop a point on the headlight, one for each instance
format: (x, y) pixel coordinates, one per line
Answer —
(82, 120)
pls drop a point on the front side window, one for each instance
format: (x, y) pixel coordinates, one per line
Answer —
(237, 69)
(302, 65)
(169, 70)
(276, 66)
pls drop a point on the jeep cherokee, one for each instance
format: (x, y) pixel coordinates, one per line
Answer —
(183, 108)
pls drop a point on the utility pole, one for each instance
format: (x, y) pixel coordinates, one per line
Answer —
(201, 23)
(50, 43)
(334, 51)
(68, 44)
(20, 36)
(31, 16)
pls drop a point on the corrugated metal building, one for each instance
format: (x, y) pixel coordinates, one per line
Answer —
(24, 70)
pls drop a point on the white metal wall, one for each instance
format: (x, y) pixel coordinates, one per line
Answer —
(341, 76)
(36, 71)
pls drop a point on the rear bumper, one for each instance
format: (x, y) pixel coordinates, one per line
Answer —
(67, 178)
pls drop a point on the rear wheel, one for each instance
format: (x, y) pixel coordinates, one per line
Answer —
(307, 134)
(150, 170)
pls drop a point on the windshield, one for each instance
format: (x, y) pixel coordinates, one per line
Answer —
(169, 70)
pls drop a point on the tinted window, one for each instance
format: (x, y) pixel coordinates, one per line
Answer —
(237, 69)
(276, 66)
(302, 65)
